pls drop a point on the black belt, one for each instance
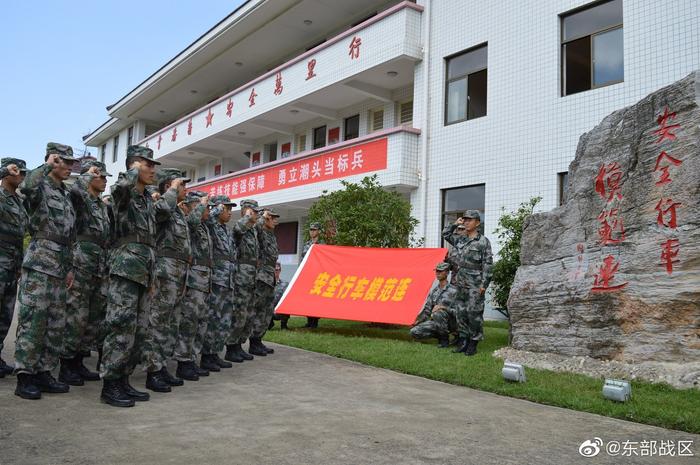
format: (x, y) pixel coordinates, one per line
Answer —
(51, 237)
(175, 255)
(135, 239)
(201, 262)
(93, 239)
(14, 240)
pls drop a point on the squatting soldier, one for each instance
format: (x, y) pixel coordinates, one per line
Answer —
(220, 308)
(131, 269)
(280, 287)
(46, 274)
(174, 253)
(193, 306)
(475, 262)
(246, 236)
(265, 285)
(437, 318)
(13, 225)
(314, 238)
(87, 298)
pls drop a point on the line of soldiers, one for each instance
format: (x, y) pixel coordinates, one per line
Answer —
(458, 305)
(149, 274)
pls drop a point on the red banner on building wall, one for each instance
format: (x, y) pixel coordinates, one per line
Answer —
(362, 284)
(348, 161)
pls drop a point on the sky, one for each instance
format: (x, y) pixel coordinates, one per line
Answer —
(64, 61)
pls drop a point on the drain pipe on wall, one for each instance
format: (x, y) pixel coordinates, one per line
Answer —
(425, 125)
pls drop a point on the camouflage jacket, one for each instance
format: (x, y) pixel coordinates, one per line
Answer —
(13, 225)
(224, 252)
(199, 276)
(135, 218)
(307, 246)
(268, 254)
(93, 229)
(472, 257)
(443, 296)
(280, 287)
(51, 223)
(173, 248)
(246, 237)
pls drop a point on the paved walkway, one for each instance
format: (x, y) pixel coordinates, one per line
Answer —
(298, 407)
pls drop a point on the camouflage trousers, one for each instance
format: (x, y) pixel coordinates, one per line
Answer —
(163, 323)
(469, 307)
(85, 314)
(42, 318)
(243, 308)
(8, 296)
(193, 325)
(262, 311)
(219, 314)
(126, 323)
(441, 324)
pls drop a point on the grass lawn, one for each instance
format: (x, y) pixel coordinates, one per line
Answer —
(392, 347)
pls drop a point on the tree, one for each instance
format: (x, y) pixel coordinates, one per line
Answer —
(509, 232)
(365, 215)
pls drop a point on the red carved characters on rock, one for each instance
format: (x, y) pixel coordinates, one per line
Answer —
(606, 273)
(608, 181)
(669, 251)
(355, 48)
(665, 175)
(667, 213)
(664, 131)
(612, 229)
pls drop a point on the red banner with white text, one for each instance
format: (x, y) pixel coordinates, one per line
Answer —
(362, 284)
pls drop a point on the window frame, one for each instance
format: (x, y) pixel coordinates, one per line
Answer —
(345, 127)
(115, 149)
(448, 81)
(325, 137)
(444, 213)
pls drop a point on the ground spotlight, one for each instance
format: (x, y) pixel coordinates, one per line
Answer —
(617, 390)
(513, 372)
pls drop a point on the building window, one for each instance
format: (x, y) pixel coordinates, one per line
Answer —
(115, 149)
(271, 152)
(130, 136)
(319, 137)
(456, 201)
(592, 47)
(287, 237)
(301, 143)
(103, 153)
(376, 119)
(466, 85)
(563, 180)
(406, 113)
(352, 127)
(286, 150)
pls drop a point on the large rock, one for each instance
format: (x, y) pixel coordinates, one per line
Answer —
(645, 305)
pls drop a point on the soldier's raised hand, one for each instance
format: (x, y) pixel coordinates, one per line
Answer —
(13, 169)
(94, 170)
(54, 160)
(137, 165)
(460, 220)
(177, 182)
(155, 196)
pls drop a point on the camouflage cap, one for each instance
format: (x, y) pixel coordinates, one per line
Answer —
(250, 203)
(62, 150)
(315, 226)
(87, 164)
(221, 199)
(442, 266)
(271, 212)
(194, 196)
(21, 164)
(472, 214)
(141, 152)
(168, 174)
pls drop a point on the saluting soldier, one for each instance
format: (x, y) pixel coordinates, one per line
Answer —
(13, 225)
(220, 309)
(46, 274)
(475, 262)
(87, 298)
(246, 236)
(437, 318)
(314, 238)
(131, 272)
(265, 285)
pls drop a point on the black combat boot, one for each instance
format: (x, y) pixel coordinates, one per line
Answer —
(267, 349)
(5, 369)
(443, 342)
(460, 346)
(209, 363)
(138, 396)
(283, 324)
(221, 363)
(256, 348)
(232, 354)
(155, 381)
(243, 353)
(83, 371)
(113, 394)
(47, 383)
(314, 323)
(170, 379)
(471, 348)
(187, 371)
(67, 374)
(26, 388)
(200, 371)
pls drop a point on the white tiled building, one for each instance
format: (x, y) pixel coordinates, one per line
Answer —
(280, 87)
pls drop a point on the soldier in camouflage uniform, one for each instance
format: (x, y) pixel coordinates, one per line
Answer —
(450, 258)
(246, 236)
(131, 268)
(13, 225)
(174, 254)
(280, 287)
(475, 261)
(46, 274)
(193, 306)
(220, 308)
(314, 238)
(438, 318)
(265, 285)
(87, 298)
